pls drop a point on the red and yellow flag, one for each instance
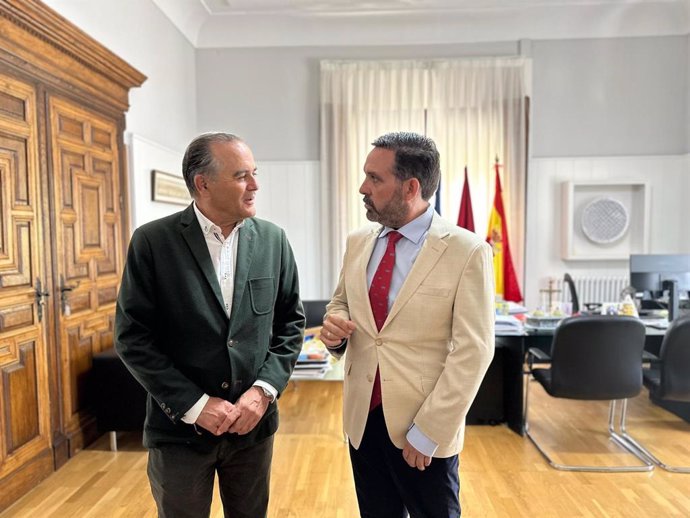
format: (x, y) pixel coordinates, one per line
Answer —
(497, 237)
(465, 217)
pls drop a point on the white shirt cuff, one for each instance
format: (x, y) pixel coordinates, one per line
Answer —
(421, 442)
(267, 386)
(193, 413)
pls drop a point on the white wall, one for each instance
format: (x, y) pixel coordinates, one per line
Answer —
(669, 183)
(145, 155)
(162, 116)
(614, 97)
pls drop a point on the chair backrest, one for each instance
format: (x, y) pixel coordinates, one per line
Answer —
(675, 362)
(597, 357)
(314, 310)
(568, 280)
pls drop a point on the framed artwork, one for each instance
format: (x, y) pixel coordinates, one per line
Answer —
(604, 220)
(168, 188)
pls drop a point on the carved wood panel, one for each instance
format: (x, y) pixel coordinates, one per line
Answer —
(88, 233)
(61, 212)
(24, 394)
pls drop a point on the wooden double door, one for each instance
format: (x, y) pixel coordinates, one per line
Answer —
(61, 256)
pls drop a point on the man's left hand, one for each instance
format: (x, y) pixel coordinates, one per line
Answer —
(413, 457)
(252, 405)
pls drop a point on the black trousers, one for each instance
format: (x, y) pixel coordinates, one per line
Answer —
(388, 488)
(182, 479)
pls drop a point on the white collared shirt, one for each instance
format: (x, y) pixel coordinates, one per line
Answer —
(223, 252)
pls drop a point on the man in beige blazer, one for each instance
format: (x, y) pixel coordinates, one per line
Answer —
(414, 363)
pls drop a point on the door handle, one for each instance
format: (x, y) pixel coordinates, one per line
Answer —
(40, 296)
(64, 292)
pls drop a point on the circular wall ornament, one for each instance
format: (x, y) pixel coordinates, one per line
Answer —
(604, 220)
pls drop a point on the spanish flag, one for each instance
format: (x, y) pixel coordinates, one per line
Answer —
(465, 217)
(497, 237)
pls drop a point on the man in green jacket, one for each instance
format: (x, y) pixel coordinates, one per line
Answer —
(210, 322)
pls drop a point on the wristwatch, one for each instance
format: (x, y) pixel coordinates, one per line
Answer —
(266, 392)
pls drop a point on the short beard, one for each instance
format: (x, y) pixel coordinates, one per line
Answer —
(393, 215)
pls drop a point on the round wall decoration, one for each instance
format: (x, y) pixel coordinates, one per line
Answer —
(604, 220)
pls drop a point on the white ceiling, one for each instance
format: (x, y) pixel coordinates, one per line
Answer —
(265, 23)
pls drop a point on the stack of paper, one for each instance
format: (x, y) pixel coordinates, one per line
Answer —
(508, 325)
(313, 362)
(515, 308)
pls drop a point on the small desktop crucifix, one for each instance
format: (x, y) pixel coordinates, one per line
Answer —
(550, 292)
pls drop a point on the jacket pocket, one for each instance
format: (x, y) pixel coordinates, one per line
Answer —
(261, 294)
(433, 291)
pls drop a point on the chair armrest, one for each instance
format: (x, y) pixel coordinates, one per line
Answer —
(538, 354)
(648, 357)
(541, 357)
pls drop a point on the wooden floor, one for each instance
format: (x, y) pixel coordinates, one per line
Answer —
(501, 473)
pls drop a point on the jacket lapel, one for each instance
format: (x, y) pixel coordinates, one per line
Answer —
(433, 248)
(192, 234)
(360, 267)
(245, 252)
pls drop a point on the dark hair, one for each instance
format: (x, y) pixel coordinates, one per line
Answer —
(416, 156)
(199, 159)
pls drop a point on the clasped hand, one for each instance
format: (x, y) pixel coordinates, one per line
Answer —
(220, 416)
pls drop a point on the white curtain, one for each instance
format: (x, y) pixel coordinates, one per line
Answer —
(473, 109)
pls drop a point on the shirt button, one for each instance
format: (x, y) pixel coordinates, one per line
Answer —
(379, 342)
(224, 385)
(231, 343)
(370, 377)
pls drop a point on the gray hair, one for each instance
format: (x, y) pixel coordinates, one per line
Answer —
(416, 156)
(198, 158)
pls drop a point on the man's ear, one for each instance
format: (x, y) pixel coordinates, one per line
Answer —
(411, 188)
(200, 183)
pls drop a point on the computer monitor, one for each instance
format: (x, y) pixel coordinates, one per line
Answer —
(656, 273)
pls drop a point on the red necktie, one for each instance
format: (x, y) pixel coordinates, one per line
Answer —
(378, 298)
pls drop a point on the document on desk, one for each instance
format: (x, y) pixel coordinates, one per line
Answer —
(508, 325)
(655, 323)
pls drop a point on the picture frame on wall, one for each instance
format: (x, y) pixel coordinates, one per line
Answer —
(168, 188)
(604, 220)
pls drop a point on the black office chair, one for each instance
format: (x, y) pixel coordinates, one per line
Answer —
(314, 310)
(592, 358)
(668, 378)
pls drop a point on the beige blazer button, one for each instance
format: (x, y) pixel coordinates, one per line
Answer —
(379, 342)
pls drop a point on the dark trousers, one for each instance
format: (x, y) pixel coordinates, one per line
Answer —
(388, 488)
(182, 479)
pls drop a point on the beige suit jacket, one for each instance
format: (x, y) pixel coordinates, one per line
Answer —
(436, 344)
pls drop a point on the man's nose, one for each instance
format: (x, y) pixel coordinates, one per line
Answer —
(253, 184)
(363, 188)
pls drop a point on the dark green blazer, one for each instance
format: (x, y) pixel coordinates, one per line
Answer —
(172, 332)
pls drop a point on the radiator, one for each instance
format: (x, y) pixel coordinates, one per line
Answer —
(593, 289)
